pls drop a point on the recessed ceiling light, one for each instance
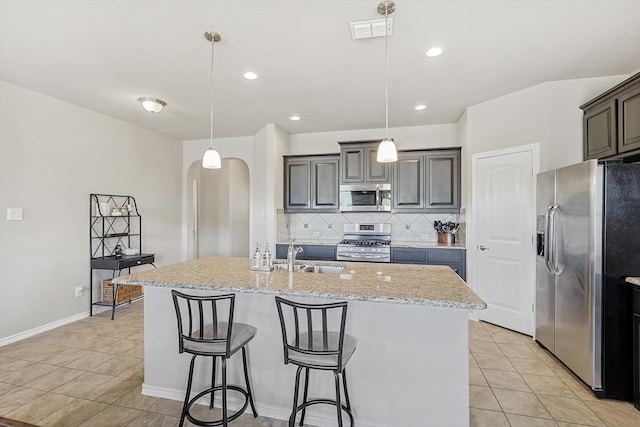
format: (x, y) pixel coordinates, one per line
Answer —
(433, 52)
(420, 107)
(250, 75)
(295, 117)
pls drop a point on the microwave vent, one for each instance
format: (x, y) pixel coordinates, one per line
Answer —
(370, 29)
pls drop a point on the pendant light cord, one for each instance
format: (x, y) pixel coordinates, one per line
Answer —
(211, 114)
(386, 77)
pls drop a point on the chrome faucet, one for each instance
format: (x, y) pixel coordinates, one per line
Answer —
(291, 255)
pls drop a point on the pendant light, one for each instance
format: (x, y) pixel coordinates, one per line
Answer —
(387, 149)
(211, 158)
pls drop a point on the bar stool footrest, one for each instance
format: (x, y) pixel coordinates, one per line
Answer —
(321, 401)
(220, 422)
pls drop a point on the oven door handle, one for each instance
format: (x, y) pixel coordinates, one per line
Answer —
(364, 256)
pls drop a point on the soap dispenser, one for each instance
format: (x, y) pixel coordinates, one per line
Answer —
(257, 257)
(267, 261)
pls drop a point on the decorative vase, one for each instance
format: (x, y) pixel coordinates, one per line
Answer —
(446, 238)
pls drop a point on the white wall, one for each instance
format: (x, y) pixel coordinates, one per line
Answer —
(547, 114)
(263, 155)
(240, 148)
(223, 214)
(52, 156)
(406, 138)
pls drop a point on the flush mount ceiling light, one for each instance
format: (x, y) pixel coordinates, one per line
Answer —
(250, 75)
(420, 107)
(295, 117)
(433, 52)
(211, 158)
(152, 105)
(387, 149)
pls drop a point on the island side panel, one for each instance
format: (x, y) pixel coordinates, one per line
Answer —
(410, 367)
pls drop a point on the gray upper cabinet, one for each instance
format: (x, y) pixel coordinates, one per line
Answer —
(629, 121)
(427, 181)
(611, 123)
(359, 163)
(442, 188)
(311, 183)
(599, 129)
(408, 182)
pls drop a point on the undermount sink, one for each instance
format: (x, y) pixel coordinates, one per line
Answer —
(328, 268)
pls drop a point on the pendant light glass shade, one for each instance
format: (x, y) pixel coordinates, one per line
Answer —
(387, 151)
(211, 157)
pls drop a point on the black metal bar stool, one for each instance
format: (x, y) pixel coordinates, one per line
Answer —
(309, 343)
(206, 328)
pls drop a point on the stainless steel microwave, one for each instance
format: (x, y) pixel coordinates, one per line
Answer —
(365, 197)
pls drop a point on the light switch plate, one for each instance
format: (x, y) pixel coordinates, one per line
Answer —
(14, 214)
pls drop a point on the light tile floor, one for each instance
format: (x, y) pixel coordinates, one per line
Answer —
(515, 382)
(89, 373)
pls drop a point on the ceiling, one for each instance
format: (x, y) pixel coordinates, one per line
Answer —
(104, 54)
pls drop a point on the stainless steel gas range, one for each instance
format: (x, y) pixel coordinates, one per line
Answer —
(368, 242)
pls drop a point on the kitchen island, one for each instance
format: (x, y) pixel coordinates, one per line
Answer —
(410, 367)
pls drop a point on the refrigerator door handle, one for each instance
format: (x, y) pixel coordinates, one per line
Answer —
(550, 254)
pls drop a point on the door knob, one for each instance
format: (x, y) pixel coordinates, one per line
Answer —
(483, 248)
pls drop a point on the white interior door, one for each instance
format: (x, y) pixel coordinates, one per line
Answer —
(504, 211)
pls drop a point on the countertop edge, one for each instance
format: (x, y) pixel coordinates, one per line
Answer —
(403, 301)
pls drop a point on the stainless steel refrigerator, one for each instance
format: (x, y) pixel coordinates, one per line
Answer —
(588, 241)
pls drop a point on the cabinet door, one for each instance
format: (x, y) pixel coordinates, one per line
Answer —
(325, 185)
(408, 256)
(376, 171)
(442, 186)
(629, 121)
(599, 131)
(320, 252)
(297, 185)
(352, 164)
(454, 258)
(408, 183)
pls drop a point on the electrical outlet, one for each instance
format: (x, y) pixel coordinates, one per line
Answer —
(79, 291)
(316, 234)
(425, 236)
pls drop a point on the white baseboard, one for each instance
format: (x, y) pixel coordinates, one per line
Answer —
(40, 329)
(269, 411)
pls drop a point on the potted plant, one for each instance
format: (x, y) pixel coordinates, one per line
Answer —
(446, 231)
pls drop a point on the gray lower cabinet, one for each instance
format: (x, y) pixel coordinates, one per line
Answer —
(311, 183)
(427, 181)
(309, 252)
(454, 258)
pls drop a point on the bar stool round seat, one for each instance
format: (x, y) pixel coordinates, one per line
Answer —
(310, 341)
(206, 329)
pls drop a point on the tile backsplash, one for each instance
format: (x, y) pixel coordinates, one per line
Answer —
(328, 226)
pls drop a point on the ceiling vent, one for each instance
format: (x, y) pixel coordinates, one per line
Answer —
(369, 29)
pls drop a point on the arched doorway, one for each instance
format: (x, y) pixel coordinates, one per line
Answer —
(218, 210)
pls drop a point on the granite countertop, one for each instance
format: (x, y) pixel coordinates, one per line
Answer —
(427, 285)
(633, 280)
